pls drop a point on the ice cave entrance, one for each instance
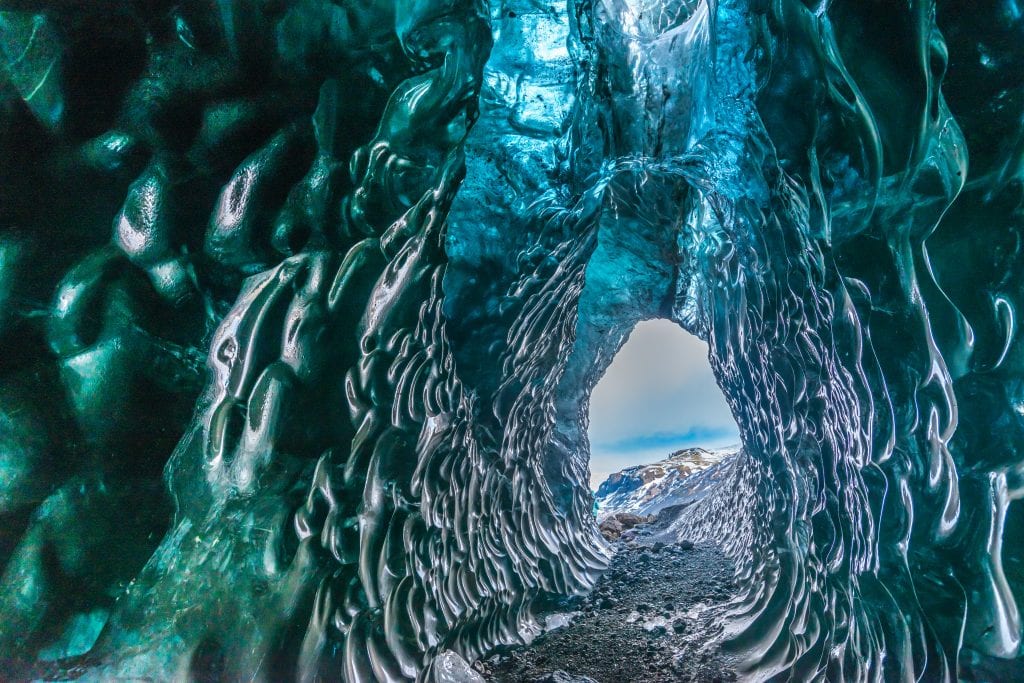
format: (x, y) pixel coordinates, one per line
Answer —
(658, 395)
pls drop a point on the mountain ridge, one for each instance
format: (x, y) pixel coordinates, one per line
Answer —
(683, 477)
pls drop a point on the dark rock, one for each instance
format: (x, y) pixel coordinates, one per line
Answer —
(621, 524)
(561, 677)
(629, 520)
(611, 528)
(606, 644)
(686, 545)
(671, 512)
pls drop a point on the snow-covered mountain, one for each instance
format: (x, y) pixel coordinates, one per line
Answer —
(683, 477)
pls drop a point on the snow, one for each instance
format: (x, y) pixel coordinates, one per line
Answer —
(682, 478)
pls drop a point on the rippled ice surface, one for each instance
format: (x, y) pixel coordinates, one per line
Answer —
(303, 303)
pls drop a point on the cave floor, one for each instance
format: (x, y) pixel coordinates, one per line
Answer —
(655, 615)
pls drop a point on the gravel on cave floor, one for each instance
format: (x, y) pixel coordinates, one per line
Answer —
(654, 616)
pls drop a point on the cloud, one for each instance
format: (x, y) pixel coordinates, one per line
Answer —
(643, 442)
(658, 395)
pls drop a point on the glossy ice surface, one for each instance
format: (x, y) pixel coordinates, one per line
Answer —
(302, 301)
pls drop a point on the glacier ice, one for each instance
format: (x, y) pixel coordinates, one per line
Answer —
(302, 302)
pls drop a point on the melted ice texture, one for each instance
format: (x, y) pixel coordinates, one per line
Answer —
(388, 465)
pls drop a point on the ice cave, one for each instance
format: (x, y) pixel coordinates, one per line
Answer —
(302, 301)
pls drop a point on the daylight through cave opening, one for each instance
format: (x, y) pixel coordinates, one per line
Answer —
(658, 395)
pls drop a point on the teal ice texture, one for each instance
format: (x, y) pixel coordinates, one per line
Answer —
(302, 303)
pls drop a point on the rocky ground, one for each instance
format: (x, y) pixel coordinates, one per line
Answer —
(654, 616)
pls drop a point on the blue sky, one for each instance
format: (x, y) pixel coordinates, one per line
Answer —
(658, 395)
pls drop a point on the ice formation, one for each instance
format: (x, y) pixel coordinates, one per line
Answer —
(364, 262)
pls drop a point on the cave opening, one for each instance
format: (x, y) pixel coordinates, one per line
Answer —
(658, 396)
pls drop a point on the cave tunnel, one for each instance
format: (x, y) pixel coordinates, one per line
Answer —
(303, 304)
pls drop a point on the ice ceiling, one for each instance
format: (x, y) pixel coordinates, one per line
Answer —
(301, 303)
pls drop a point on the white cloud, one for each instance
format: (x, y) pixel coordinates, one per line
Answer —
(658, 395)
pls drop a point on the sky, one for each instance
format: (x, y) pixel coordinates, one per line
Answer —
(658, 396)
